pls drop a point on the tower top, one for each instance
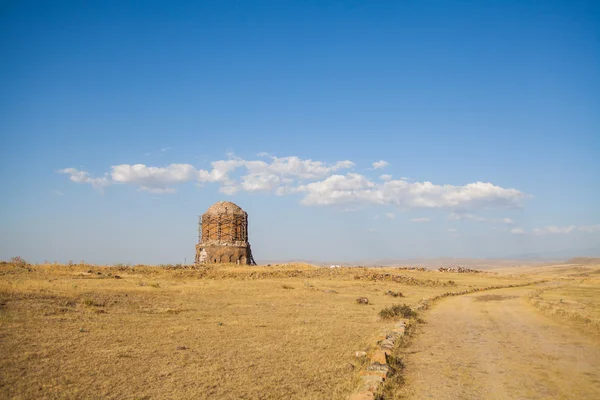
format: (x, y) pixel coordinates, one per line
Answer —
(225, 207)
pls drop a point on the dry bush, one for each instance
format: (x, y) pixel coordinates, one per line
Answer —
(397, 310)
(18, 261)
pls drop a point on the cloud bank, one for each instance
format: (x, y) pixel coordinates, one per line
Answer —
(317, 183)
(558, 230)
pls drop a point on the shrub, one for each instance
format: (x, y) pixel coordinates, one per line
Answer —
(398, 310)
(18, 261)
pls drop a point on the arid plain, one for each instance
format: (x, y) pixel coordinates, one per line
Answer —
(292, 331)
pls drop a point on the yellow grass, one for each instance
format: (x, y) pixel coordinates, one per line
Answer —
(286, 331)
(574, 297)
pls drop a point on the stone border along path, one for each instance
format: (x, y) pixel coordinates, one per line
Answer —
(379, 369)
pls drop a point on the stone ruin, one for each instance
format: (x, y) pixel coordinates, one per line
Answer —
(223, 235)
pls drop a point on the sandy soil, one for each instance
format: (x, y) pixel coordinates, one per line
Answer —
(496, 346)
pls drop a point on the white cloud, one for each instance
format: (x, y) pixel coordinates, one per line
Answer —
(79, 176)
(558, 230)
(296, 167)
(355, 188)
(317, 182)
(418, 220)
(260, 182)
(337, 189)
(452, 230)
(58, 192)
(455, 216)
(390, 215)
(566, 230)
(458, 216)
(229, 190)
(261, 175)
(589, 228)
(380, 164)
(154, 179)
(554, 230)
(156, 190)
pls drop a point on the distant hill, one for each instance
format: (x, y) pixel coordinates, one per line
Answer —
(429, 263)
(574, 256)
(584, 260)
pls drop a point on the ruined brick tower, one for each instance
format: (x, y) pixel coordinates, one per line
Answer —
(223, 235)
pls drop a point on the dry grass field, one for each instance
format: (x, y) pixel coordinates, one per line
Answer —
(572, 295)
(231, 332)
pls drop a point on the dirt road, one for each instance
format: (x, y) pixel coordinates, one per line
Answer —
(494, 345)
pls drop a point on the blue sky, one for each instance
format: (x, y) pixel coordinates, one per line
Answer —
(121, 121)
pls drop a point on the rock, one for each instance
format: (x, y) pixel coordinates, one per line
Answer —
(377, 369)
(379, 357)
(387, 344)
(381, 373)
(360, 354)
(362, 300)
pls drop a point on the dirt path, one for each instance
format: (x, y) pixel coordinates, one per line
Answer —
(495, 345)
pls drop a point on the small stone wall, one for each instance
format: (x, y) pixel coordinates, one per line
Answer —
(378, 369)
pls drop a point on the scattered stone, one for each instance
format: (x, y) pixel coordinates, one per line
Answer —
(379, 356)
(362, 300)
(387, 344)
(360, 354)
(394, 294)
(117, 277)
(372, 380)
(380, 373)
(182, 347)
(377, 369)
(459, 270)
(330, 291)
